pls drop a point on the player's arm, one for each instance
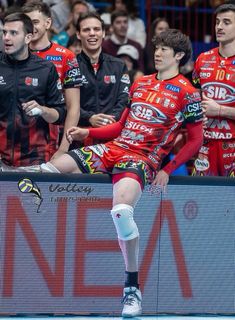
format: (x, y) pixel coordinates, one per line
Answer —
(72, 98)
(213, 109)
(108, 132)
(193, 144)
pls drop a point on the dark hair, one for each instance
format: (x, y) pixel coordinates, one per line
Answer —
(19, 16)
(83, 2)
(130, 7)
(87, 15)
(37, 5)
(118, 13)
(225, 7)
(157, 21)
(176, 40)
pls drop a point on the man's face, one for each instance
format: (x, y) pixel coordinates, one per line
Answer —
(77, 10)
(41, 24)
(120, 26)
(225, 27)
(160, 27)
(91, 34)
(165, 59)
(15, 41)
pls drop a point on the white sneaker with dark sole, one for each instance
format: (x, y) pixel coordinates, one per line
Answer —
(132, 302)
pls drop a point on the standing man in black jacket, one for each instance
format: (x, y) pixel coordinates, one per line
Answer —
(30, 97)
(105, 81)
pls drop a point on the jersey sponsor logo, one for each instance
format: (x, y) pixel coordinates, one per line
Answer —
(147, 113)
(73, 73)
(109, 79)
(204, 150)
(59, 85)
(202, 164)
(217, 135)
(31, 81)
(137, 94)
(60, 49)
(54, 58)
(229, 155)
(183, 82)
(227, 145)
(84, 80)
(219, 124)
(72, 63)
(179, 117)
(173, 88)
(192, 107)
(2, 81)
(125, 78)
(126, 90)
(156, 88)
(204, 75)
(134, 137)
(208, 52)
(168, 94)
(233, 62)
(98, 149)
(222, 63)
(193, 97)
(138, 126)
(220, 92)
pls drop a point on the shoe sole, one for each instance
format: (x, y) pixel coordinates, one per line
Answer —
(128, 315)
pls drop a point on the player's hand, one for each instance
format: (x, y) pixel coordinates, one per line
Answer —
(101, 119)
(161, 180)
(32, 108)
(76, 134)
(210, 107)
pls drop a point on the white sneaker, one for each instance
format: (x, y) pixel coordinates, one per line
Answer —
(132, 302)
(6, 168)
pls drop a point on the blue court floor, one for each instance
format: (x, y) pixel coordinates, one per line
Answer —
(157, 317)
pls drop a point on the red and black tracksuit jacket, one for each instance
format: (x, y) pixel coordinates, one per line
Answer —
(24, 140)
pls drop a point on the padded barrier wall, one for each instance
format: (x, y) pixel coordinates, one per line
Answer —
(59, 253)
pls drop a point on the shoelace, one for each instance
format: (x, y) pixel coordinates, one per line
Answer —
(129, 298)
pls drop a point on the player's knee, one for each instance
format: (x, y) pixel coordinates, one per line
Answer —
(49, 167)
(126, 227)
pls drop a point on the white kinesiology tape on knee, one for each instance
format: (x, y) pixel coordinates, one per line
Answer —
(48, 167)
(126, 227)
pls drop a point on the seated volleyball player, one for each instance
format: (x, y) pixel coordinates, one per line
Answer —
(145, 134)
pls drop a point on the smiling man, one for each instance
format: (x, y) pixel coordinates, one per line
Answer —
(160, 104)
(66, 65)
(105, 80)
(215, 74)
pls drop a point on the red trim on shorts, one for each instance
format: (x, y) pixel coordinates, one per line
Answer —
(118, 176)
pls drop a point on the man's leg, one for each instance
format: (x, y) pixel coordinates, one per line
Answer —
(62, 164)
(126, 193)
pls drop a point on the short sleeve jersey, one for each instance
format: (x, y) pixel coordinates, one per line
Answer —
(215, 75)
(157, 111)
(65, 62)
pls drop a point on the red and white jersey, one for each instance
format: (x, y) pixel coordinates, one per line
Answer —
(157, 111)
(216, 77)
(65, 62)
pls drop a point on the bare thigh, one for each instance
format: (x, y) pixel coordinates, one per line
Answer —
(65, 164)
(126, 191)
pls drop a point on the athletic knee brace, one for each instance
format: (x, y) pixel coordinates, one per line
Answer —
(48, 167)
(126, 227)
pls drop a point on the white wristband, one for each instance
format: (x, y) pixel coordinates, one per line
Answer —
(36, 111)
